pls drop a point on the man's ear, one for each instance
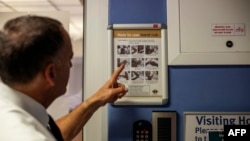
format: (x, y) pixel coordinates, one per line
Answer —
(49, 74)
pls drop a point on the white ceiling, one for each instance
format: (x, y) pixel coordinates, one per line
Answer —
(74, 7)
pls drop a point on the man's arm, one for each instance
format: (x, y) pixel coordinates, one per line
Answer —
(72, 123)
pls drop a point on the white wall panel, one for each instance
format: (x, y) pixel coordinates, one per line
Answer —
(95, 64)
(199, 31)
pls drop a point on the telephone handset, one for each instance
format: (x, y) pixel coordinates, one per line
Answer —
(142, 131)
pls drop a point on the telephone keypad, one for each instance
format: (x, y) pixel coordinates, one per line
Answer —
(142, 131)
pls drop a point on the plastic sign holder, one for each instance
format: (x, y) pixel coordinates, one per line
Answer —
(143, 48)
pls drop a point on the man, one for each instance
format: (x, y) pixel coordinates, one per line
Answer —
(35, 60)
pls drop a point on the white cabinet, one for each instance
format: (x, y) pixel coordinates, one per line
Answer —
(209, 32)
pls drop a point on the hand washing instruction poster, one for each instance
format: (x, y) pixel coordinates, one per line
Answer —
(140, 51)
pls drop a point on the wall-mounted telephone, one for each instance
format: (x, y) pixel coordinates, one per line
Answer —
(142, 131)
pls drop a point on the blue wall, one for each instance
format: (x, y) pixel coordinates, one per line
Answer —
(191, 88)
(137, 11)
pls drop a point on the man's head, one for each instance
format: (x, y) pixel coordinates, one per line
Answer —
(32, 44)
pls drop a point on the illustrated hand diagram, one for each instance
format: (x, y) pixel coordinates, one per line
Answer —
(149, 75)
(134, 49)
(152, 62)
(135, 75)
(126, 76)
(136, 62)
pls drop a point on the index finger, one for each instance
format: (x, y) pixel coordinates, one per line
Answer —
(117, 71)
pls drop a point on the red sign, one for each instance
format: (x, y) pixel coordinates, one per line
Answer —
(228, 29)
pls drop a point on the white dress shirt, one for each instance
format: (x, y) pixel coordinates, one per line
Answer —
(21, 117)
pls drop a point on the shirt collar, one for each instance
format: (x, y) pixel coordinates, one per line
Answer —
(24, 102)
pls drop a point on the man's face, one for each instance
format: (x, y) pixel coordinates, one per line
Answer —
(64, 65)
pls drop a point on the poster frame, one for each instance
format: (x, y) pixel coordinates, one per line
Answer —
(142, 100)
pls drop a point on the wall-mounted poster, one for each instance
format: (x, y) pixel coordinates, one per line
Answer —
(209, 126)
(143, 50)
